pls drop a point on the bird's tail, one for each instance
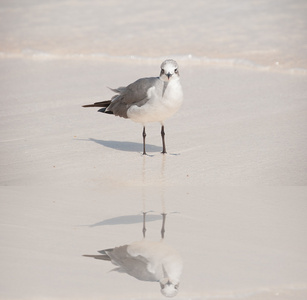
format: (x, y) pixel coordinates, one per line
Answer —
(99, 104)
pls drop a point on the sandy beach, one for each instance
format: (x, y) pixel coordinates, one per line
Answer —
(74, 181)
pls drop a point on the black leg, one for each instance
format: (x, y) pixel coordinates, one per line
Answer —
(144, 136)
(163, 225)
(144, 225)
(163, 139)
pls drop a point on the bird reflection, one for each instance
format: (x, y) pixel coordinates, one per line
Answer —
(147, 261)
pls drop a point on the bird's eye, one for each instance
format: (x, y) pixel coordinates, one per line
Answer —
(162, 71)
(176, 71)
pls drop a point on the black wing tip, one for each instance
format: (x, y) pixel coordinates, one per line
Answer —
(105, 251)
(101, 257)
(103, 110)
(98, 104)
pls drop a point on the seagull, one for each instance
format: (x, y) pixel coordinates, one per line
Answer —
(152, 99)
(148, 261)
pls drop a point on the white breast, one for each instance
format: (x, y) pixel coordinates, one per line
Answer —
(158, 108)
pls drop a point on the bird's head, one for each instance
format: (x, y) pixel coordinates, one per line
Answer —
(169, 70)
(168, 288)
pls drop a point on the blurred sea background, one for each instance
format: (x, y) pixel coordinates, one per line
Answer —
(266, 34)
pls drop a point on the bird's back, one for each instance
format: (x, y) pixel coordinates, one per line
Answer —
(134, 94)
(136, 266)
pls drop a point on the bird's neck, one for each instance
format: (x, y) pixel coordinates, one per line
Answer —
(165, 84)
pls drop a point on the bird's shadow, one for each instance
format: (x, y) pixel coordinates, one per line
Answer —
(129, 219)
(126, 146)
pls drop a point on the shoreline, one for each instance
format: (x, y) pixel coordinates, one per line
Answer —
(184, 60)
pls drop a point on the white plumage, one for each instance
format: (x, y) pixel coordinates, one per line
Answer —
(152, 99)
(147, 261)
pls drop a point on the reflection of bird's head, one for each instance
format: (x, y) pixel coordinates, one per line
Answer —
(168, 288)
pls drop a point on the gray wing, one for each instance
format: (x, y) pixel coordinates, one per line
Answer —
(135, 266)
(134, 94)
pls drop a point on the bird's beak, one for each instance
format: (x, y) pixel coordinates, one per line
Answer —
(164, 284)
(168, 75)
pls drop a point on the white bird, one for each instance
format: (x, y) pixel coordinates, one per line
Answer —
(152, 99)
(147, 261)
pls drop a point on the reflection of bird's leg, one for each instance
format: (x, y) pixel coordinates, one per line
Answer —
(144, 226)
(144, 136)
(163, 225)
(163, 140)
